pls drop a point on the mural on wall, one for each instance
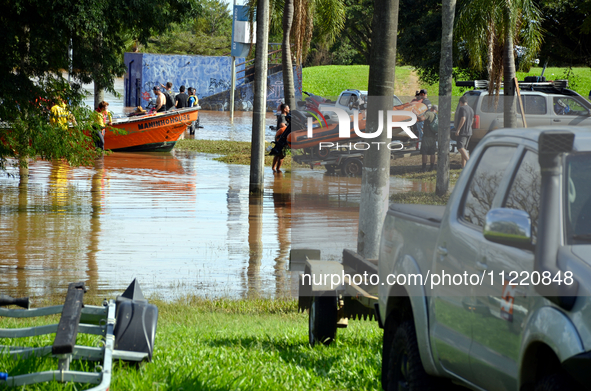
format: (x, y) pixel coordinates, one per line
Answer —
(244, 95)
(207, 74)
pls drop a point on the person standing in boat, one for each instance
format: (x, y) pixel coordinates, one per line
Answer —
(180, 101)
(169, 95)
(160, 100)
(193, 100)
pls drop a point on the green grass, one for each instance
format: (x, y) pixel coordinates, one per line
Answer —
(232, 152)
(240, 345)
(330, 81)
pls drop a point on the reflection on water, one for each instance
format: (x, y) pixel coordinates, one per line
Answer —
(179, 222)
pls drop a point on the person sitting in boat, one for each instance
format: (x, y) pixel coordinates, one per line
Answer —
(180, 101)
(193, 100)
(281, 127)
(160, 100)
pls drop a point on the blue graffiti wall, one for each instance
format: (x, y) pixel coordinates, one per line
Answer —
(207, 74)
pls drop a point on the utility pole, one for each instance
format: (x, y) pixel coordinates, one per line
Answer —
(257, 155)
(375, 180)
(233, 86)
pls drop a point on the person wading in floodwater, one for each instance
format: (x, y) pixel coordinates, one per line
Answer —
(281, 126)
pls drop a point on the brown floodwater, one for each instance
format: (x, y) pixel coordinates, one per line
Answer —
(179, 222)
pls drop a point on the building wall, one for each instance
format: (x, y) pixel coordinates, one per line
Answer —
(244, 95)
(207, 74)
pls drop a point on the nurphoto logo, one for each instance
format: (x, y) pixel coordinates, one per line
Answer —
(394, 119)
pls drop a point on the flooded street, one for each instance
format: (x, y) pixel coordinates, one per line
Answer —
(180, 222)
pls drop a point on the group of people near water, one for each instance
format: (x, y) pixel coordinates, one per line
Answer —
(166, 98)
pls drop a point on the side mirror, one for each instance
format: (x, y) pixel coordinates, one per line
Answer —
(510, 227)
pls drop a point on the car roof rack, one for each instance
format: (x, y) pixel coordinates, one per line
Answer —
(483, 84)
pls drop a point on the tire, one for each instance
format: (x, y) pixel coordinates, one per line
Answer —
(322, 153)
(352, 167)
(555, 382)
(322, 321)
(405, 369)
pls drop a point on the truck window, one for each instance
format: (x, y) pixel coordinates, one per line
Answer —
(569, 106)
(484, 184)
(578, 198)
(534, 104)
(490, 104)
(524, 193)
(344, 100)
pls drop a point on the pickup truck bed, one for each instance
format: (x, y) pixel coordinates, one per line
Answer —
(424, 214)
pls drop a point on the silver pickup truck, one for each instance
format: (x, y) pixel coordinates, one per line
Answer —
(493, 291)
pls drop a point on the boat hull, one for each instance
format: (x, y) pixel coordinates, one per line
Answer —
(150, 133)
(298, 139)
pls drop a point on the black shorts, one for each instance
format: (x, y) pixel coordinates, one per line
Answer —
(463, 141)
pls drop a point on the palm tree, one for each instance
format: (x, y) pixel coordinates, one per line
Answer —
(448, 10)
(298, 18)
(491, 29)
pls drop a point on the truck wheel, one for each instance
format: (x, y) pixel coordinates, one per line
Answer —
(322, 323)
(405, 370)
(555, 382)
(352, 167)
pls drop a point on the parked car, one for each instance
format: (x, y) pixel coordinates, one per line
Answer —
(544, 103)
(515, 235)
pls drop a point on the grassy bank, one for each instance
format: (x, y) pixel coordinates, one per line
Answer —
(233, 152)
(330, 81)
(238, 345)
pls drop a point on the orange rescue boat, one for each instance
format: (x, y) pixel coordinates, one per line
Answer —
(156, 132)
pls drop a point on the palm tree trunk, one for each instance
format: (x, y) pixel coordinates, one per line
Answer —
(257, 154)
(509, 118)
(288, 86)
(445, 86)
(375, 180)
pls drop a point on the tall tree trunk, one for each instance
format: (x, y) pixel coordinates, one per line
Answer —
(375, 180)
(288, 86)
(257, 154)
(445, 86)
(99, 93)
(509, 117)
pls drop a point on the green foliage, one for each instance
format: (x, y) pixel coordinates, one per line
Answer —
(419, 37)
(567, 41)
(207, 35)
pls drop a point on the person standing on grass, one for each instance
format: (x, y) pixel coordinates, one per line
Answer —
(429, 144)
(463, 126)
(281, 126)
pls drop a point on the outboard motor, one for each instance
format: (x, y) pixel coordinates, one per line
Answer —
(136, 321)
